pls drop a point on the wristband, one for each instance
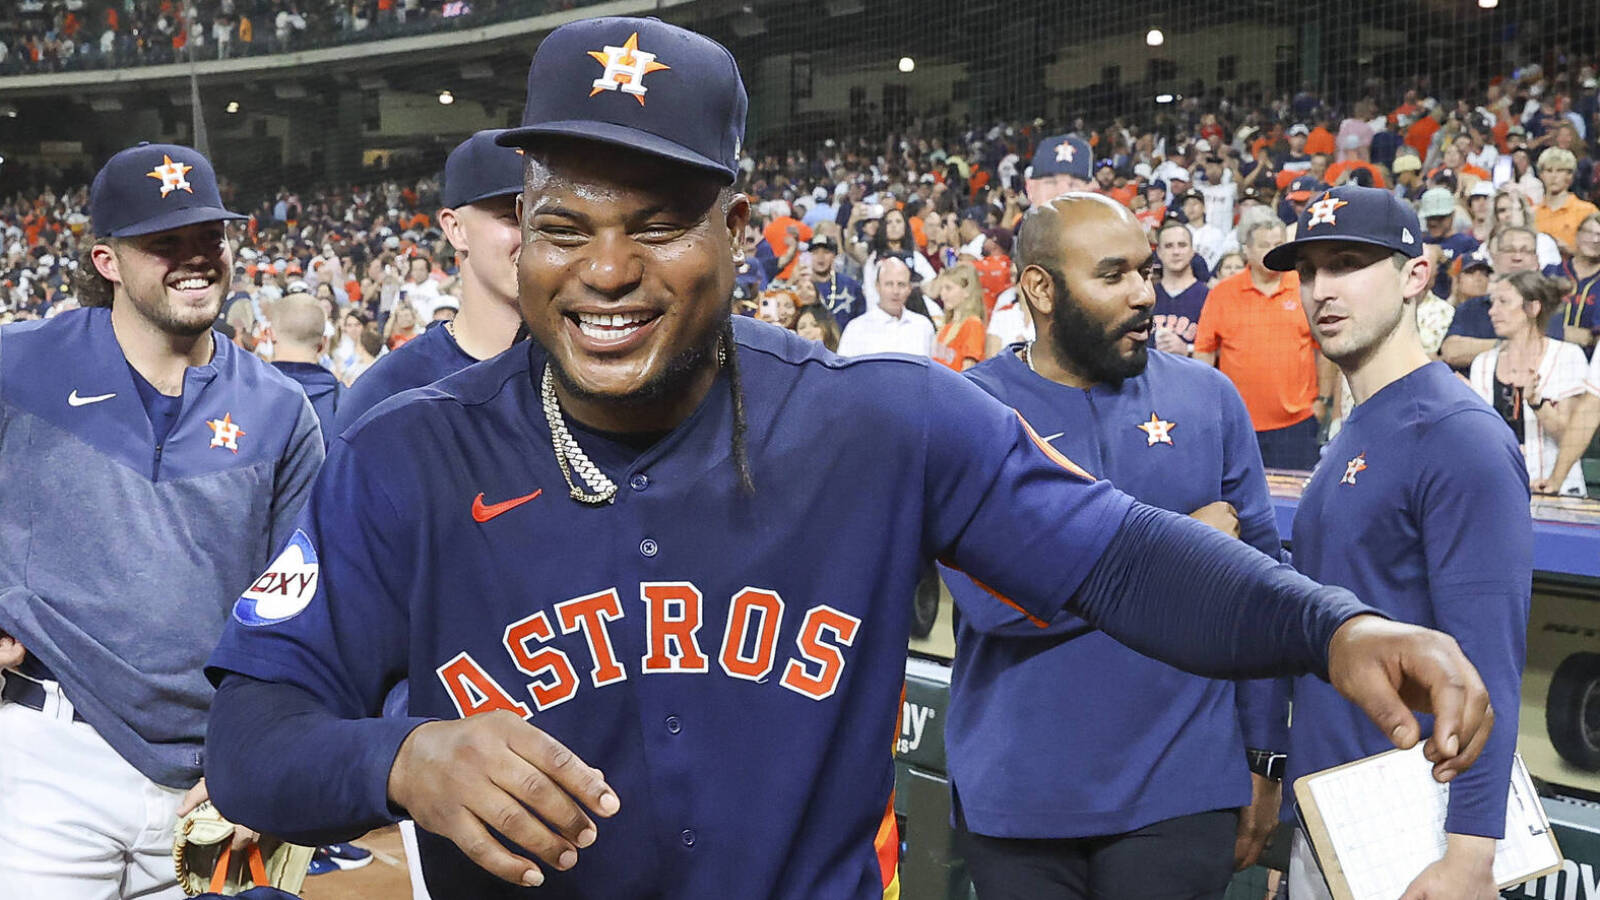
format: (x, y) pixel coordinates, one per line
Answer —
(1267, 763)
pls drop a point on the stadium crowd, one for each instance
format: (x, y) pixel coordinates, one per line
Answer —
(906, 243)
(57, 35)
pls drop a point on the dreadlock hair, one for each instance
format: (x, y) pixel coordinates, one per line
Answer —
(741, 456)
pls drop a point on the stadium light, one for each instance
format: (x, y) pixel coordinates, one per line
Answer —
(907, 64)
(233, 107)
(1163, 98)
(1488, 4)
(1155, 38)
(446, 98)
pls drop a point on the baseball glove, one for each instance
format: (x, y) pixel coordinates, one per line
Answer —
(203, 855)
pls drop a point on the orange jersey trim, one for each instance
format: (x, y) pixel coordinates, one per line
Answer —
(998, 596)
(887, 846)
(1054, 454)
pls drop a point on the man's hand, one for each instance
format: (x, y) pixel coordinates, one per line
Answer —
(1256, 821)
(1169, 342)
(1219, 515)
(1385, 667)
(1465, 873)
(464, 777)
(242, 836)
(12, 652)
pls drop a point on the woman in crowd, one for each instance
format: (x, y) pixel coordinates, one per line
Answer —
(1523, 176)
(1230, 264)
(778, 306)
(402, 325)
(1530, 379)
(963, 341)
(347, 354)
(815, 323)
(1512, 207)
(892, 239)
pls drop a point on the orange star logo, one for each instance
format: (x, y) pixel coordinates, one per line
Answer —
(171, 175)
(1322, 211)
(1358, 464)
(626, 67)
(224, 433)
(1156, 431)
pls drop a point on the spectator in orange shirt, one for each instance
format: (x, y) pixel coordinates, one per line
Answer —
(1561, 213)
(1420, 135)
(1320, 140)
(991, 264)
(777, 233)
(1253, 328)
(963, 341)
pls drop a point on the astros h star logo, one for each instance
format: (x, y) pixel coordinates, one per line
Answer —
(626, 67)
(1322, 211)
(171, 175)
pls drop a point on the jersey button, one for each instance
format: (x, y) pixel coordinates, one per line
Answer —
(639, 482)
(688, 837)
(674, 724)
(648, 547)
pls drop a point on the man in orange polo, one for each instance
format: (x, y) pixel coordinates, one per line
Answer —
(1561, 212)
(1253, 329)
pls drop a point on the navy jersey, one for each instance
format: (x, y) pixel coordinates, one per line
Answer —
(322, 388)
(739, 690)
(1421, 505)
(1116, 740)
(1181, 314)
(842, 296)
(418, 362)
(117, 551)
(1451, 247)
(1582, 308)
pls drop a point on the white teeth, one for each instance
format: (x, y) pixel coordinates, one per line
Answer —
(193, 284)
(611, 327)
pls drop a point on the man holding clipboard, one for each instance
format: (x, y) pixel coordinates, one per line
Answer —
(1420, 505)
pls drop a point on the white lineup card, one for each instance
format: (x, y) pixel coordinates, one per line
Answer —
(1378, 822)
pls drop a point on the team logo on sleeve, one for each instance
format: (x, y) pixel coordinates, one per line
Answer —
(1359, 464)
(171, 175)
(626, 67)
(224, 433)
(1156, 431)
(284, 589)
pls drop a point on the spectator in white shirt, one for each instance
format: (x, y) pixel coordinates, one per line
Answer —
(1208, 238)
(888, 327)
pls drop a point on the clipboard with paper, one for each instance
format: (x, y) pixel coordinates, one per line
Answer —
(1376, 823)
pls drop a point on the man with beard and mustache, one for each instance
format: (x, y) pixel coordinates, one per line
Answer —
(736, 697)
(149, 468)
(1153, 763)
(1421, 503)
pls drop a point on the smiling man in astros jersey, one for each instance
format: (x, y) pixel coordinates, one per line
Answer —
(583, 558)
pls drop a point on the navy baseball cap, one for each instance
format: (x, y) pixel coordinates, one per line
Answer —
(1306, 185)
(640, 84)
(1352, 213)
(478, 169)
(154, 187)
(1063, 154)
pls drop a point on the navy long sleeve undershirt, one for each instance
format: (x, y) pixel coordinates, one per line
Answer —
(1249, 617)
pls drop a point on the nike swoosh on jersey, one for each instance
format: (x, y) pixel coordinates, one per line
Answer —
(483, 512)
(1052, 437)
(74, 400)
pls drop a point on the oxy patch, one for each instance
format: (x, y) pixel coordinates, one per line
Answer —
(284, 589)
